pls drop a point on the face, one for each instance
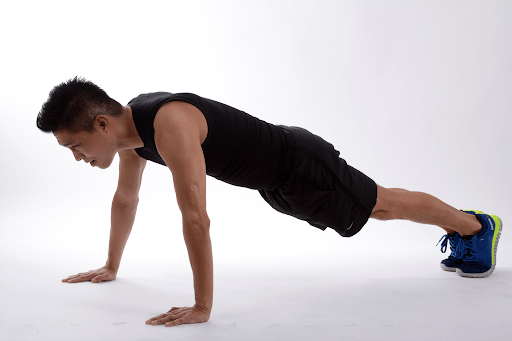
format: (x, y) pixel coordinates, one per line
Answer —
(95, 148)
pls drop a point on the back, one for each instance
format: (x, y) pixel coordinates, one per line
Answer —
(239, 149)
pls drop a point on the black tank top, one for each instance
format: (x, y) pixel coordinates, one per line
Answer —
(239, 149)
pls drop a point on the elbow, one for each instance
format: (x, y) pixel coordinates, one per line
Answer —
(199, 224)
(125, 200)
(202, 224)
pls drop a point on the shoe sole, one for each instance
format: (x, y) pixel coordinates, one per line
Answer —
(446, 268)
(488, 272)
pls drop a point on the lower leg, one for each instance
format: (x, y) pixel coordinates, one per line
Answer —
(447, 229)
(396, 203)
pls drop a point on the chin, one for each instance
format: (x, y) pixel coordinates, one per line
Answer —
(104, 162)
(104, 165)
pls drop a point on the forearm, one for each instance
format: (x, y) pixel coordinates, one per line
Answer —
(197, 238)
(122, 218)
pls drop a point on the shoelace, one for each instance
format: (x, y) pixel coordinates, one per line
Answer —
(444, 244)
(465, 250)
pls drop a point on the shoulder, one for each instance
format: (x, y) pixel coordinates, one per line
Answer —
(180, 129)
(180, 118)
(149, 97)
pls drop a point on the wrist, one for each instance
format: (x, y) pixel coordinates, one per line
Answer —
(205, 309)
(111, 267)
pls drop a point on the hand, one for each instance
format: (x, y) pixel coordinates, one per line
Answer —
(177, 316)
(105, 273)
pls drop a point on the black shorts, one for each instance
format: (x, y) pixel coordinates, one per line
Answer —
(322, 189)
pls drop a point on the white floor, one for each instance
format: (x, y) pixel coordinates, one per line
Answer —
(383, 299)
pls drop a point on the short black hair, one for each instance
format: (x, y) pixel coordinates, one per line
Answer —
(73, 106)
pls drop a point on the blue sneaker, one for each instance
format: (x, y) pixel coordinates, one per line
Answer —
(478, 252)
(452, 262)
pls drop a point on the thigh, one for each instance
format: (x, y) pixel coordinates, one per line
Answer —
(322, 188)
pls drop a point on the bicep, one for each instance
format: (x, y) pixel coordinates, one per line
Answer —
(131, 167)
(178, 143)
(189, 176)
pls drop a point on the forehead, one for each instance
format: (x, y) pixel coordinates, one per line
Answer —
(65, 138)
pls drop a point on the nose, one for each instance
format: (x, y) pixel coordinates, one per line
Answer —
(78, 156)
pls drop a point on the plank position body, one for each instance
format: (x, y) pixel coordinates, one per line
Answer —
(296, 172)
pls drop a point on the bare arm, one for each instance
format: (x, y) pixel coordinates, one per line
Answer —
(124, 207)
(180, 128)
(124, 204)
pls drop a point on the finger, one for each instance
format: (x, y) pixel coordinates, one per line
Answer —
(159, 321)
(173, 310)
(176, 322)
(71, 277)
(78, 275)
(82, 274)
(172, 314)
(167, 318)
(81, 279)
(155, 318)
(179, 312)
(76, 279)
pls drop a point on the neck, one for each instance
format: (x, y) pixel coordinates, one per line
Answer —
(128, 137)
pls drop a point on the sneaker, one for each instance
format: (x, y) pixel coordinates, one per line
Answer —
(478, 252)
(452, 262)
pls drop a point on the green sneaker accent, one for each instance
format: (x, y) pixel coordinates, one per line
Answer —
(497, 221)
(473, 211)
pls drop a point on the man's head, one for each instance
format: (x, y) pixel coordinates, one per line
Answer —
(80, 115)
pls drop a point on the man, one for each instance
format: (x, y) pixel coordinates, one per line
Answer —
(296, 172)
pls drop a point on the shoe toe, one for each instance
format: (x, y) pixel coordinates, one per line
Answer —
(451, 262)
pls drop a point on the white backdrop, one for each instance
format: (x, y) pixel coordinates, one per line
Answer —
(416, 94)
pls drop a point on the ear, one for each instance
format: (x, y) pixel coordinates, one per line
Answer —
(102, 122)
